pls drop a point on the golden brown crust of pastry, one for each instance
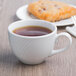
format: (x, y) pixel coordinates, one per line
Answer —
(51, 10)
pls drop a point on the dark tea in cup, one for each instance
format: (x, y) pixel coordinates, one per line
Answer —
(32, 31)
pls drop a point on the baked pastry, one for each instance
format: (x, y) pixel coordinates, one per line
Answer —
(51, 10)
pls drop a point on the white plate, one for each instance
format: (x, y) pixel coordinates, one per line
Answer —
(23, 14)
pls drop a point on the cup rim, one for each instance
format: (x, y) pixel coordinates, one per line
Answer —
(32, 36)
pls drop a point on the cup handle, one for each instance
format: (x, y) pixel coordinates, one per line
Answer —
(68, 45)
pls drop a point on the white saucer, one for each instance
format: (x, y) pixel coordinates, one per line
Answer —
(23, 14)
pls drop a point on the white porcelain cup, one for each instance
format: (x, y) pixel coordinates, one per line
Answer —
(34, 50)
